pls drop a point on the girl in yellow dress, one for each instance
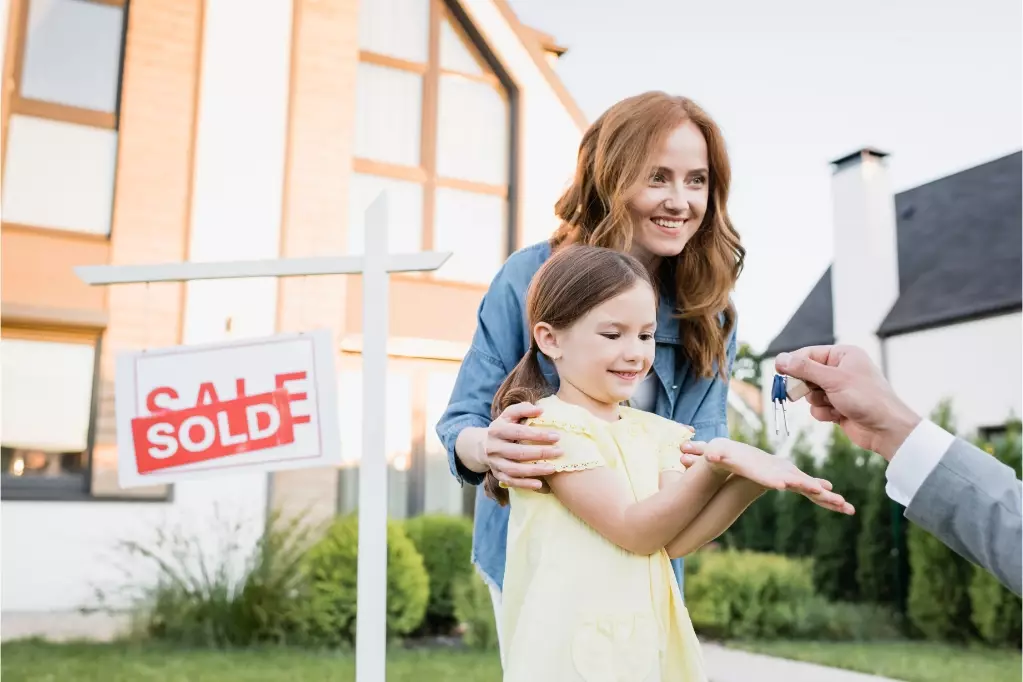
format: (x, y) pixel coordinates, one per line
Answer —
(589, 594)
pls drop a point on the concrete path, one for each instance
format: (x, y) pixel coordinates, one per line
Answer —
(732, 665)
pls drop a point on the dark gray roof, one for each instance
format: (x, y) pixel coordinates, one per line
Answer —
(960, 240)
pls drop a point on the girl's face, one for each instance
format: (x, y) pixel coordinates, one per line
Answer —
(603, 356)
(669, 208)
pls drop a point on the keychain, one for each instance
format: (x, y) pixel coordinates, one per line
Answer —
(781, 391)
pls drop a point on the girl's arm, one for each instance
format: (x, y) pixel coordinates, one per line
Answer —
(717, 516)
(604, 502)
(738, 492)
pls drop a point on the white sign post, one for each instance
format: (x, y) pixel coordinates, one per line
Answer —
(371, 628)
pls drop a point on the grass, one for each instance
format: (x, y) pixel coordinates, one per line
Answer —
(35, 661)
(909, 661)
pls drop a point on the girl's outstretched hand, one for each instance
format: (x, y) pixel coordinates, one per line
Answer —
(768, 470)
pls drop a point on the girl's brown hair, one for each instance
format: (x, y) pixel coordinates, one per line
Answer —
(615, 156)
(572, 282)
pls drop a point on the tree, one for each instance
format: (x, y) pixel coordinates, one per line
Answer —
(834, 551)
(747, 365)
(755, 528)
(797, 516)
(996, 612)
(882, 562)
(938, 603)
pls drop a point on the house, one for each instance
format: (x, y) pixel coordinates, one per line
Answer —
(745, 413)
(168, 133)
(929, 282)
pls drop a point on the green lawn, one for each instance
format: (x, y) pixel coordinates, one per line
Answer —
(910, 661)
(41, 662)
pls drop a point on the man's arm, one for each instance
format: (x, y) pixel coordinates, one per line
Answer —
(971, 502)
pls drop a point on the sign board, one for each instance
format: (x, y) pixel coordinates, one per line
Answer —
(189, 412)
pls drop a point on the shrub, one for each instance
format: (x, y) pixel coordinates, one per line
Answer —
(938, 604)
(834, 555)
(329, 598)
(997, 611)
(745, 595)
(221, 598)
(445, 543)
(882, 564)
(819, 619)
(475, 611)
(739, 594)
(796, 515)
(755, 528)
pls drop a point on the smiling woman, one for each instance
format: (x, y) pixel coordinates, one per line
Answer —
(652, 180)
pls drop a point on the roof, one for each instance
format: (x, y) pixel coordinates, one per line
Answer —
(534, 42)
(959, 239)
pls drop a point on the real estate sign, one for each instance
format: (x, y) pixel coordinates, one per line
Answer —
(265, 404)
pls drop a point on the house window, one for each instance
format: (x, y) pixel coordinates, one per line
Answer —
(48, 384)
(418, 478)
(433, 128)
(60, 135)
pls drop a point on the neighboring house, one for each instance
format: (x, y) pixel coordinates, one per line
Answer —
(744, 408)
(929, 282)
(192, 130)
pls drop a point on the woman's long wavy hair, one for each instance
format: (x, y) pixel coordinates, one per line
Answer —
(572, 282)
(615, 158)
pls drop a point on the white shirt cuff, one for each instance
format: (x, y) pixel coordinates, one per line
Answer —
(915, 460)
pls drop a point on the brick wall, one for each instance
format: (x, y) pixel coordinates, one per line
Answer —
(152, 197)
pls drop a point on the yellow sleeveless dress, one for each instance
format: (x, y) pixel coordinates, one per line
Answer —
(576, 607)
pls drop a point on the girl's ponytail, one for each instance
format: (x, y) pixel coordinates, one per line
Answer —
(525, 384)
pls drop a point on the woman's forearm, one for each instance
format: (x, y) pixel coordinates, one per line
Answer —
(734, 497)
(470, 448)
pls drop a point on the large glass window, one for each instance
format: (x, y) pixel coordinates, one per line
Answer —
(431, 113)
(418, 476)
(47, 395)
(60, 134)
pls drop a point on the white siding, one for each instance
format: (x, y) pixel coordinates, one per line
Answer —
(54, 554)
(978, 365)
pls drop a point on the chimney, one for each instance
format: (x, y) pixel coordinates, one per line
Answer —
(865, 272)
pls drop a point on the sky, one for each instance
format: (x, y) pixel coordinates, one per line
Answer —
(795, 84)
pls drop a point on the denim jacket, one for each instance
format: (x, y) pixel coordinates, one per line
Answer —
(501, 339)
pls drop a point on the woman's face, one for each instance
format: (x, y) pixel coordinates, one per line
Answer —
(670, 205)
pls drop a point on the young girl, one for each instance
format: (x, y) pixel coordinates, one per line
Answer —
(588, 588)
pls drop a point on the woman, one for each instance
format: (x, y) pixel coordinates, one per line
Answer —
(652, 180)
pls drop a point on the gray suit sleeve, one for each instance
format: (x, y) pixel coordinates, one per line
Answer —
(971, 502)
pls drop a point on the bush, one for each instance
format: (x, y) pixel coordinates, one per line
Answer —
(996, 610)
(755, 528)
(938, 604)
(445, 543)
(329, 599)
(475, 611)
(834, 555)
(797, 516)
(746, 595)
(882, 563)
(821, 620)
(220, 598)
(738, 594)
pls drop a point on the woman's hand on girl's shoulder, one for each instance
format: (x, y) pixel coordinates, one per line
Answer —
(512, 448)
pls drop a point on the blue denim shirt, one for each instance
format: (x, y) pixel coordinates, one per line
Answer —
(501, 339)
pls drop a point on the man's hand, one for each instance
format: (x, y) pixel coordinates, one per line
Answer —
(847, 388)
